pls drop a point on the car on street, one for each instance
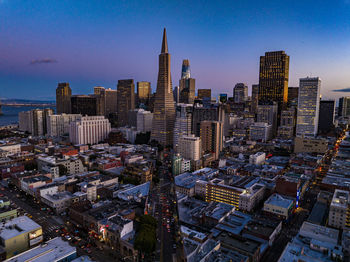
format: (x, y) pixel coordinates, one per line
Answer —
(68, 237)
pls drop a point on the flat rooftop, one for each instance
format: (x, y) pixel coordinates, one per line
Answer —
(135, 192)
(341, 199)
(321, 233)
(54, 250)
(17, 226)
(240, 243)
(278, 200)
(192, 234)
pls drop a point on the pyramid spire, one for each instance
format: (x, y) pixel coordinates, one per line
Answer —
(164, 43)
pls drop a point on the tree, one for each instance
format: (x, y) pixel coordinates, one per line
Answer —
(146, 235)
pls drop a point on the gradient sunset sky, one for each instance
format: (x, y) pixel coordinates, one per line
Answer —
(89, 43)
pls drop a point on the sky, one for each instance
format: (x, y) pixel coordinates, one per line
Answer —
(89, 43)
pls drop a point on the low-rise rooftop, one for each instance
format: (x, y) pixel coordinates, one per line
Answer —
(17, 226)
(278, 200)
(54, 250)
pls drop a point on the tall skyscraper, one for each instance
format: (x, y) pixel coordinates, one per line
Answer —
(46, 113)
(100, 94)
(293, 95)
(326, 116)
(58, 125)
(204, 93)
(183, 122)
(63, 98)
(185, 71)
(211, 134)
(308, 106)
(189, 147)
(273, 77)
(268, 114)
(287, 125)
(125, 100)
(164, 107)
(111, 101)
(106, 100)
(38, 122)
(240, 93)
(202, 113)
(176, 93)
(187, 84)
(143, 93)
(35, 121)
(344, 106)
(255, 98)
(84, 105)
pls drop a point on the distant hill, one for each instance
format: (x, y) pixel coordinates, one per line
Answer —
(26, 101)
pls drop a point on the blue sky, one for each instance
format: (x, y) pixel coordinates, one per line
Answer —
(88, 43)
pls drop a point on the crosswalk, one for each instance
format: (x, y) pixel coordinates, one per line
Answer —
(48, 227)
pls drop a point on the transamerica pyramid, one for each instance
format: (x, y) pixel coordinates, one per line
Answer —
(164, 107)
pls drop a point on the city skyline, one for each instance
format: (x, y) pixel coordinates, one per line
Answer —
(49, 44)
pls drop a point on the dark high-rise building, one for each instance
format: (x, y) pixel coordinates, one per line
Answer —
(164, 107)
(326, 116)
(111, 101)
(151, 102)
(204, 93)
(187, 90)
(106, 100)
(176, 93)
(46, 113)
(84, 105)
(201, 113)
(125, 100)
(143, 93)
(293, 95)
(63, 98)
(211, 134)
(273, 77)
(240, 93)
(255, 98)
(187, 84)
(344, 106)
(100, 94)
(286, 129)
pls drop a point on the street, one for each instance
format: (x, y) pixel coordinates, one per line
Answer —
(165, 213)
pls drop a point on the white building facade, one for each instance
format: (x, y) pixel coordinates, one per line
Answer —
(261, 131)
(190, 147)
(89, 130)
(144, 121)
(308, 106)
(183, 122)
(58, 125)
